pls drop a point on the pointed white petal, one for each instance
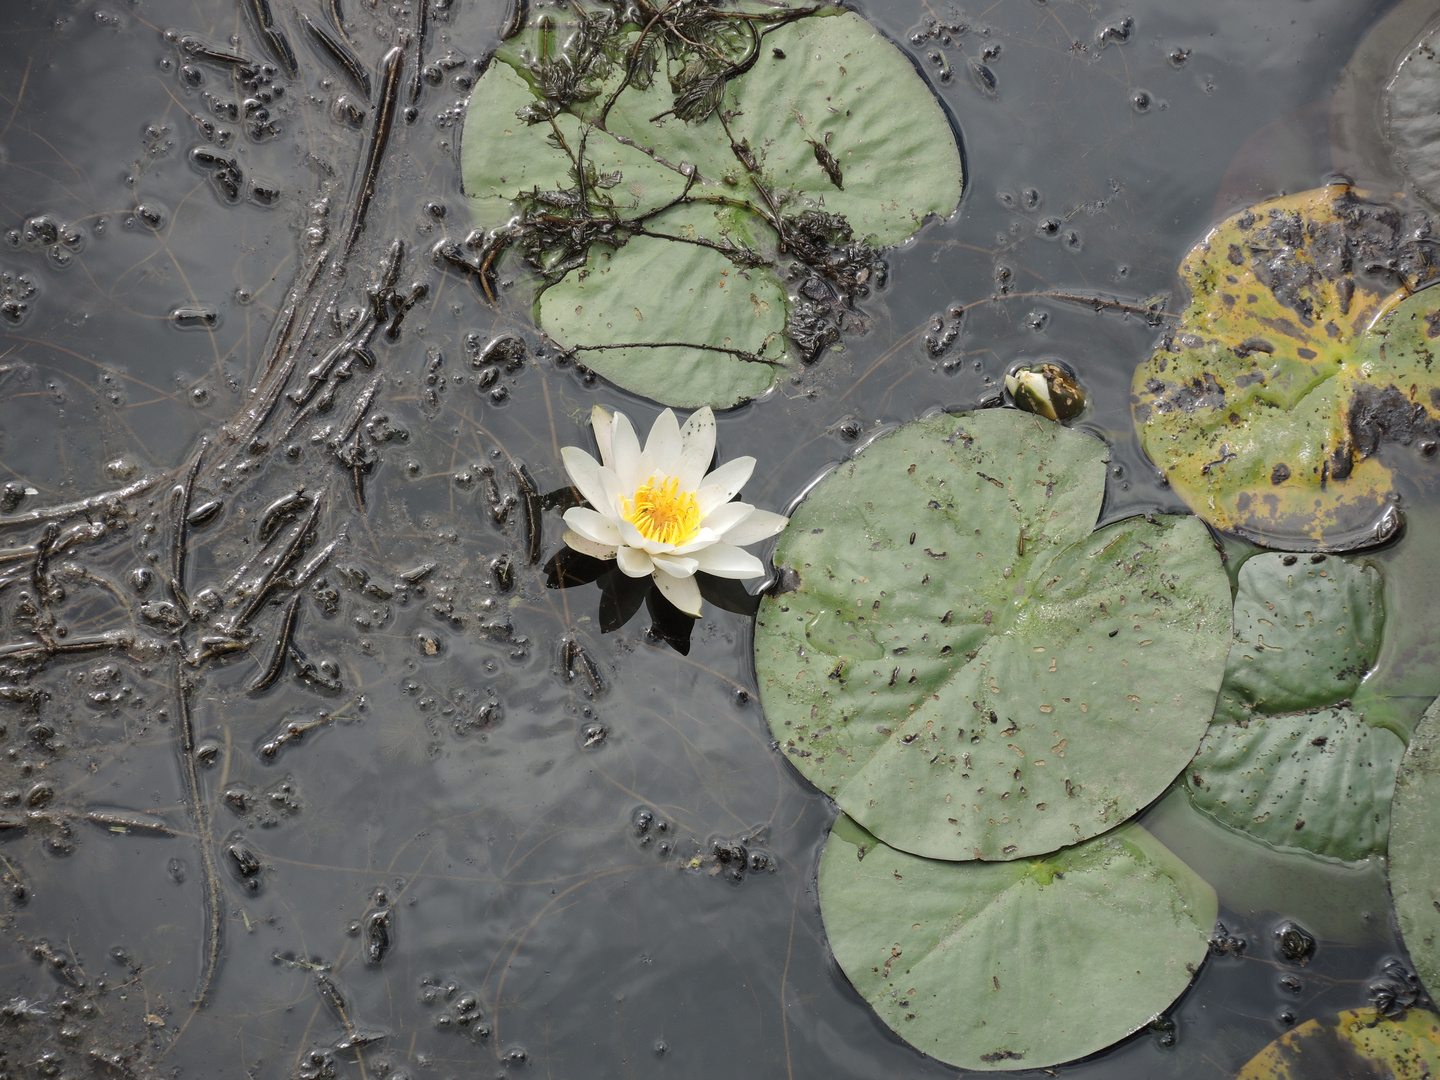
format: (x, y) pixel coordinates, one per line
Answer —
(760, 525)
(584, 473)
(726, 517)
(594, 526)
(683, 592)
(604, 552)
(633, 537)
(662, 448)
(625, 447)
(601, 421)
(697, 442)
(633, 562)
(675, 565)
(703, 539)
(724, 483)
(728, 561)
(613, 492)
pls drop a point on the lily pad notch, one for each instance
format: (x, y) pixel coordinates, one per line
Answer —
(703, 192)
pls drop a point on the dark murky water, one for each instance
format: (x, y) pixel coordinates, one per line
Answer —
(437, 859)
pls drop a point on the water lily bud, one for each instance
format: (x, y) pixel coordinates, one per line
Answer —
(1047, 388)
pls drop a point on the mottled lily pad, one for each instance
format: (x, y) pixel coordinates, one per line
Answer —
(969, 669)
(1414, 869)
(1278, 406)
(662, 179)
(1017, 965)
(1359, 1045)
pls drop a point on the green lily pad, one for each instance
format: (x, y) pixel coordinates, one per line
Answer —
(1306, 631)
(1359, 1044)
(1278, 406)
(1414, 869)
(731, 146)
(1017, 965)
(967, 668)
(1318, 782)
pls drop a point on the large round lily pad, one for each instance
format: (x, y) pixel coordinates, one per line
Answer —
(1414, 868)
(1017, 965)
(968, 668)
(1279, 405)
(664, 178)
(1358, 1045)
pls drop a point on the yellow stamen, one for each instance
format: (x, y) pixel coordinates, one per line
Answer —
(661, 511)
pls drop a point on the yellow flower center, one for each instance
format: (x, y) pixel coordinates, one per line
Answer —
(662, 512)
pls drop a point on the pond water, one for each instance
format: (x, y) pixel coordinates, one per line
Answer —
(455, 834)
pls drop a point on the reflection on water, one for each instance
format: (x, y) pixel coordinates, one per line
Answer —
(447, 825)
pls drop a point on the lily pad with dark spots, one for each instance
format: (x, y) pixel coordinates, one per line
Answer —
(1018, 965)
(1300, 374)
(1359, 1044)
(968, 668)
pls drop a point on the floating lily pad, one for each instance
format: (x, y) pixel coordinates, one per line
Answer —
(1307, 629)
(650, 173)
(1414, 869)
(1277, 407)
(967, 668)
(1359, 1045)
(1017, 965)
(1318, 782)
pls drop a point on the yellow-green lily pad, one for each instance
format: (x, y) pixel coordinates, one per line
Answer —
(1276, 407)
(1358, 1045)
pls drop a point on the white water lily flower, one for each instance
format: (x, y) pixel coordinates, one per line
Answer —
(657, 512)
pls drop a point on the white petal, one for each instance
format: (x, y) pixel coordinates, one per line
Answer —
(697, 442)
(584, 473)
(726, 517)
(633, 562)
(595, 527)
(683, 592)
(625, 447)
(601, 420)
(729, 561)
(724, 483)
(663, 445)
(675, 565)
(604, 552)
(703, 539)
(760, 525)
(633, 537)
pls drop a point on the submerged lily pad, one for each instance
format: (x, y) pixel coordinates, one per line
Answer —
(650, 173)
(1276, 406)
(1017, 965)
(1414, 869)
(1307, 629)
(1318, 782)
(967, 668)
(1411, 119)
(1359, 1045)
